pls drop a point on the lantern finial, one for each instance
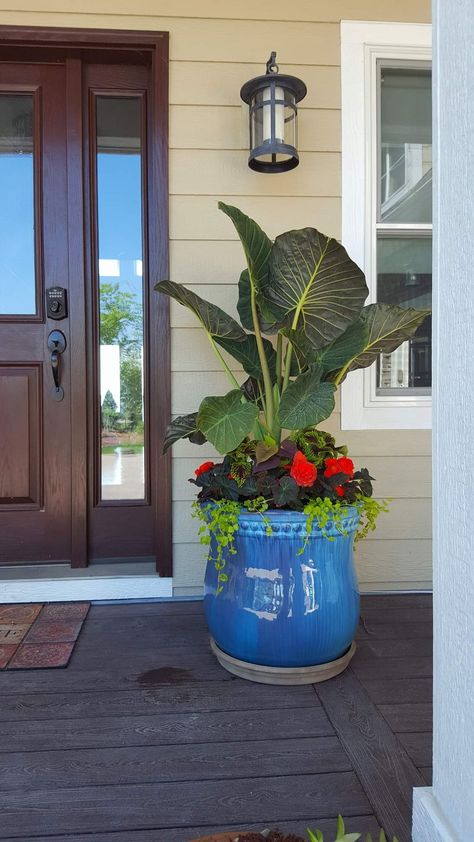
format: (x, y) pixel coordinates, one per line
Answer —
(272, 66)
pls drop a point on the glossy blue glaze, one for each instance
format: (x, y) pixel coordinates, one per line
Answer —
(279, 608)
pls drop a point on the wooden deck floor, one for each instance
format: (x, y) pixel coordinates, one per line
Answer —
(144, 738)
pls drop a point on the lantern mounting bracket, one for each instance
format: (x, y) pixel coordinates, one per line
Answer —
(272, 66)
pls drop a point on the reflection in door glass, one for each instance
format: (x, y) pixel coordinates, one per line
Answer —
(120, 253)
(17, 233)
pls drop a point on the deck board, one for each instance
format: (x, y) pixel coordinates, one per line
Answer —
(144, 738)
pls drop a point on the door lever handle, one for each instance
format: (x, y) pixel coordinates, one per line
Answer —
(55, 368)
(57, 345)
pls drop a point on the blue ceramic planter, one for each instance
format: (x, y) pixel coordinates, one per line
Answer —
(281, 609)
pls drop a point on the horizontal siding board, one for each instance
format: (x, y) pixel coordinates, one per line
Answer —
(205, 83)
(226, 127)
(302, 10)
(219, 172)
(198, 217)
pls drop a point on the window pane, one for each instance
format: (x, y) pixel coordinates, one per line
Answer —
(119, 212)
(17, 232)
(404, 279)
(405, 138)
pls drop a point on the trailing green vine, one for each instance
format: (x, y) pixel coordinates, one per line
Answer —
(220, 520)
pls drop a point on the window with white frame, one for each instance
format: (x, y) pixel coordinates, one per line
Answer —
(387, 208)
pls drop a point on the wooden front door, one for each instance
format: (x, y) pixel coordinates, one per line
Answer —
(84, 369)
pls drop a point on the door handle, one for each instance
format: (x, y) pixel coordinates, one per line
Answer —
(57, 345)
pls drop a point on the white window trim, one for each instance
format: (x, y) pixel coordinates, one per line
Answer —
(362, 44)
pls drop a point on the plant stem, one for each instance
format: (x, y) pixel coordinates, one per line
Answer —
(279, 358)
(267, 380)
(286, 378)
(232, 378)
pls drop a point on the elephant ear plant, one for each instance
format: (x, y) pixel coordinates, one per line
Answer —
(304, 328)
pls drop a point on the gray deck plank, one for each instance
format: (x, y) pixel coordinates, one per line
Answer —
(407, 648)
(142, 806)
(408, 716)
(169, 698)
(418, 746)
(144, 738)
(157, 764)
(382, 765)
(366, 666)
(364, 824)
(164, 729)
(390, 691)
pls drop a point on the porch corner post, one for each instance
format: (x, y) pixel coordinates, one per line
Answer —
(446, 810)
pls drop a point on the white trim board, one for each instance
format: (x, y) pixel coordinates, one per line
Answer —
(87, 588)
(429, 822)
(362, 43)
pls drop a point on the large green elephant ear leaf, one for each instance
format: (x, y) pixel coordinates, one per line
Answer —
(226, 420)
(313, 285)
(257, 247)
(386, 326)
(306, 401)
(215, 321)
(183, 427)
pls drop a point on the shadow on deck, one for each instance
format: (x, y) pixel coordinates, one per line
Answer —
(144, 738)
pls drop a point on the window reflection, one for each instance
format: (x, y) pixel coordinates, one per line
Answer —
(404, 278)
(121, 326)
(406, 156)
(17, 233)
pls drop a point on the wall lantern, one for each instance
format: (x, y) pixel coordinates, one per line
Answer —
(273, 119)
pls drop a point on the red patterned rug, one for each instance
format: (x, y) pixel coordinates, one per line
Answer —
(38, 636)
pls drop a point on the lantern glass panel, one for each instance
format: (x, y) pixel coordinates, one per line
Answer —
(284, 126)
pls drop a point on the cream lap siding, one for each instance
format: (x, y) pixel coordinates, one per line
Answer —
(214, 48)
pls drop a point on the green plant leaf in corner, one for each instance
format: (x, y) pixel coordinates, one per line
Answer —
(306, 402)
(314, 836)
(183, 427)
(226, 420)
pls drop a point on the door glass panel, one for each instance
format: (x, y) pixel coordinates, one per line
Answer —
(17, 224)
(404, 278)
(121, 323)
(405, 150)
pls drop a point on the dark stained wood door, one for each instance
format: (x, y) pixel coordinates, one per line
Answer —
(35, 435)
(83, 166)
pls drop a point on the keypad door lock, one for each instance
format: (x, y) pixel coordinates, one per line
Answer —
(56, 303)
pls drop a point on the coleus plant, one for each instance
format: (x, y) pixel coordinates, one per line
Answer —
(305, 292)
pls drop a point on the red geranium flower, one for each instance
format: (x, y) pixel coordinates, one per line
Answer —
(340, 490)
(206, 466)
(302, 470)
(339, 466)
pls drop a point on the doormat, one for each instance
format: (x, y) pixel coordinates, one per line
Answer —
(38, 636)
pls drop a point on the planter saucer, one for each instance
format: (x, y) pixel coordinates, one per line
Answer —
(283, 675)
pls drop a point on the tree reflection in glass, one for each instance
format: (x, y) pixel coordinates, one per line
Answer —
(119, 213)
